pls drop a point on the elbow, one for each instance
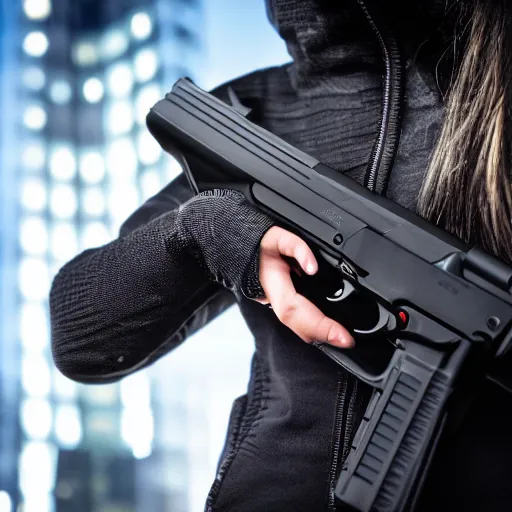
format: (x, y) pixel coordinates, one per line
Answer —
(93, 338)
(80, 365)
(77, 334)
(86, 349)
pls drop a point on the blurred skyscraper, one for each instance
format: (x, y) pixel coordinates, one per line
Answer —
(77, 79)
(86, 73)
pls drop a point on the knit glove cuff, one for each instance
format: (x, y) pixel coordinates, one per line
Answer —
(224, 231)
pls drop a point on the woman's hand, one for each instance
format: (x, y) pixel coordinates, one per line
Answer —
(291, 308)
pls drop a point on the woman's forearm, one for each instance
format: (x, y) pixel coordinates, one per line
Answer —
(119, 307)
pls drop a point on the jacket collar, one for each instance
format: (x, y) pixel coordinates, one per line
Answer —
(323, 36)
(327, 38)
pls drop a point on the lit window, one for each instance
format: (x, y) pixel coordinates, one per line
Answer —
(120, 118)
(55, 266)
(151, 183)
(93, 90)
(114, 44)
(103, 396)
(33, 156)
(147, 97)
(63, 201)
(33, 194)
(37, 9)
(121, 159)
(100, 424)
(85, 53)
(35, 375)
(137, 431)
(68, 427)
(93, 201)
(34, 279)
(35, 44)
(34, 117)
(172, 168)
(123, 200)
(5, 502)
(38, 503)
(95, 234)
(141, 450)
(63, 163)
(120, 80)
(145, 64)
(60, 92)
(64, 388)
(63, 241)
(34, 236)
(34, 328)
(148, 148)
(92, 167)
(34, 78)
(141, 26)
(36, 418)
(37, 471)
(136, 391)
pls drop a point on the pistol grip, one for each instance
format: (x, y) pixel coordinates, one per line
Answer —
(383, 471)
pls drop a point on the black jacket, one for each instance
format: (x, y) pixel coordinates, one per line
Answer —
(361, 96)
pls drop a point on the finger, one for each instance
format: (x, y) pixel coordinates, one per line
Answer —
(292, 246)
(312, 325)
(298, 313)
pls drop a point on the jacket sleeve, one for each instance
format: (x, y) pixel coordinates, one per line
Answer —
(176, 265)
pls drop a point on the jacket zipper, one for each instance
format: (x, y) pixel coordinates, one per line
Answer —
(346, 412)
(384, 149)
(376, 179)
(349, 428)
(351, 402)
(339, 426)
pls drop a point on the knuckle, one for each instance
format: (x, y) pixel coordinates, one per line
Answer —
(288, 312)
(297, 245)
(324, 328)
(331, 332)
(301, 251)
(283, 245)
(289, 241)
(298, 251)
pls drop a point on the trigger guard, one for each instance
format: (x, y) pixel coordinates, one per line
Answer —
(179, 156)
(386, 320)
(348, 289)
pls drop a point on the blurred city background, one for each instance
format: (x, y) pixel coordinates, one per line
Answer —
(77, 79)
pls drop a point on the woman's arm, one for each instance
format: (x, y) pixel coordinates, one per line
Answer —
(117, 308)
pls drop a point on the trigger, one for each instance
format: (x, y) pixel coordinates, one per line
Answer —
(386, 321)
(347, 290)
(237, 104)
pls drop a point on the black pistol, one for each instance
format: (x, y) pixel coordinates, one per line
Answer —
(446, 307)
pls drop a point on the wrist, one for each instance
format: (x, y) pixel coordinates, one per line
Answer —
(224, 232)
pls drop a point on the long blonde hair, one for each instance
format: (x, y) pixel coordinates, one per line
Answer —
(468, 188)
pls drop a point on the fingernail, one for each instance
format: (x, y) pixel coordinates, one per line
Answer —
(310, 268)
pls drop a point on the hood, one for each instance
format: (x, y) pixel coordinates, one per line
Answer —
(324, 34)
(377, 38)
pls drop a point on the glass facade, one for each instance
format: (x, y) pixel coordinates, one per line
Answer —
(77, 160)
(88, 73)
